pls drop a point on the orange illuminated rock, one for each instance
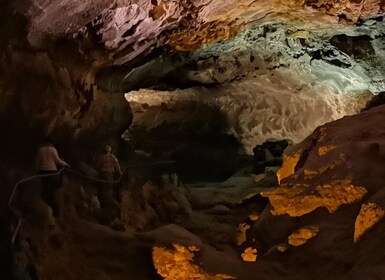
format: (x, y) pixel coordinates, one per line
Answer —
(288, 166)
(310, 173)
(369, 215)
(324, 150)
(249, 255)
(253, 217)
(260, 177)
(177, 263)
(301, 236)
(299, 199)
(242, 233)
(207, 33)
(282, 248)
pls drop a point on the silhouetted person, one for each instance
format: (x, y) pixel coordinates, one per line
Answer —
(108, 166)
(47, 162)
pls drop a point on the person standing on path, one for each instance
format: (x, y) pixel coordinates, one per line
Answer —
(108, 166)
(47, 162)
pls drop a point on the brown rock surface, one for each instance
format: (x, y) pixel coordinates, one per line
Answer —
(328, 249)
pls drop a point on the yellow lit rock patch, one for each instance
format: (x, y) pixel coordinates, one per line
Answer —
(300, 199)
(288, 166)
(322, 135)
(369, 215)
(249, 255)
(253, 217)
(324, 150)
(282, 248)
(260, 177)
(177, 263)
(300, 34)
(302, 235)
(242, 233)
(310, 173)
(191, 39)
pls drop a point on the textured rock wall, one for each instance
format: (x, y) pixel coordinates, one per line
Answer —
(336, 186)
(254, 110)
(116, 43)
(271, 81)
(285, 80)
(49, 90)
(133, 27)
(40, 97)
(348, 10)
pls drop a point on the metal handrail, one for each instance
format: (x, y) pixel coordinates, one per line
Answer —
(16, 188)
(151, 163)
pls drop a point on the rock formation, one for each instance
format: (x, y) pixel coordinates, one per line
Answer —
(324, 220)
(200, 83)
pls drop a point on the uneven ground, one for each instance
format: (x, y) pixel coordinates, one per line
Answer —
(323, 221)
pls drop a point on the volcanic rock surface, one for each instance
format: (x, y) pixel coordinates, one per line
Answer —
(183, 77)
(330, 218)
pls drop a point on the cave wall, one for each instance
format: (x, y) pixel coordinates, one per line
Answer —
(278, 80)
(263, 68)
(56, 78)
(49, 90)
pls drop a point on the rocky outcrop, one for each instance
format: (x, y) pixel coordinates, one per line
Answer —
(251, 110)
(111, 47)
(46, 99)
(223, 77)
(348, 10)
(330, 216)
(270, 75)
(338, 241)
(357, 157)
(130, 28)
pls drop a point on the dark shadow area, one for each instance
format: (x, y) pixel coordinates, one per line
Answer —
(377, 100)
(358, 47)
(5, 249)
(195, 138)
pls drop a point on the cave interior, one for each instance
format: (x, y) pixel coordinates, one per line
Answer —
(247, 139)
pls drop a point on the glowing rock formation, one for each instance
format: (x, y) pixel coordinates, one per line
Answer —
(299, 199)
(249, 255)
(207, 33)
(282, 248)
(253, 217)
(369, 215)
(242, 233)
(288, 166)
(301, 236)
(177, 263)
(132, 27)
(324, 150)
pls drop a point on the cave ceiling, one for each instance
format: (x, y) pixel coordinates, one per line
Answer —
(122, 41)
(127, 28)
(318, 53)
(124, 31)
(249, 69)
